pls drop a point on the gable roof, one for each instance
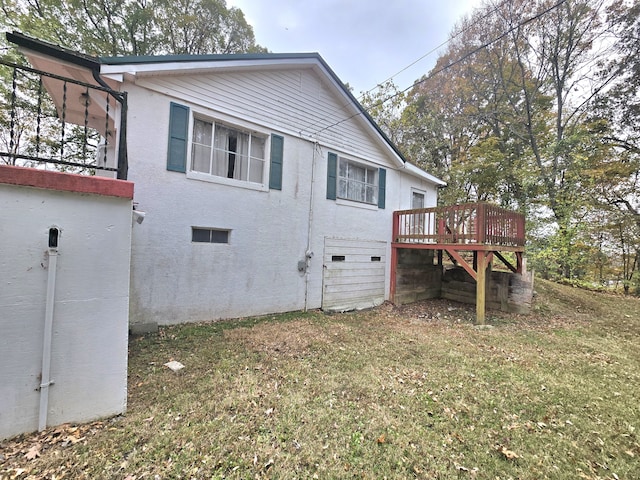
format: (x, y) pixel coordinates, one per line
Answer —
(199, 63)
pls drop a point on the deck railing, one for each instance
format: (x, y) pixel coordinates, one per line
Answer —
(470, 223)
(49, 119)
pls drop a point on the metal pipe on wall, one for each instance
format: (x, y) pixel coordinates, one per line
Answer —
(45, 380)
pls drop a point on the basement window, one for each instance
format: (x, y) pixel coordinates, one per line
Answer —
(209, 235)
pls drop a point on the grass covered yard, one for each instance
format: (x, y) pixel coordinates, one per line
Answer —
(410, 392)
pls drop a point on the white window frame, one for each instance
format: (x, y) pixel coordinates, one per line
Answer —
(419, 192)
(238, 127)
(353, 182)
(210, 230)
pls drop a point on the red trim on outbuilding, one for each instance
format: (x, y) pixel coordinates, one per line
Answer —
(67, 182)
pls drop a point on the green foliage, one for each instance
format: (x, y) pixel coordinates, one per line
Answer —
(528, 124)
(134, 27)
(385, 104)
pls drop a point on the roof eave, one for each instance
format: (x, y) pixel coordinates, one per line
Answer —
(420, 173)
(55, 51)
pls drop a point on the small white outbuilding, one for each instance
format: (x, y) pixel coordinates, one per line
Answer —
(64, 298)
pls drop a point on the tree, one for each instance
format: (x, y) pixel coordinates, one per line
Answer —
(510, 104)
(385, 104)
(134, 27)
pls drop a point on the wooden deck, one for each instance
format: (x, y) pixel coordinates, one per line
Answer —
(481, 228)
(474, 226)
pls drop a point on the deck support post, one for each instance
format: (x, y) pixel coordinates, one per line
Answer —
(519, 263)
(481, 287)
(394, 273)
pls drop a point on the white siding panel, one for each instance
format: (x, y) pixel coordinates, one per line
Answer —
(357, 281)
(293, 101)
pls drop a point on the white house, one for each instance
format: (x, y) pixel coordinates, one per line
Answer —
(265, 185)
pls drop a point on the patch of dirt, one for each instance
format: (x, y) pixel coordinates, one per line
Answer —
(292, 339)
(448, 314)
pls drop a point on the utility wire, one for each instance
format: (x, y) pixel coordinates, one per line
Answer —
(419, 59)
(433, 50)
(446, 67)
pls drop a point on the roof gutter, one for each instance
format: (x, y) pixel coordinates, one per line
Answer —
(86, 61)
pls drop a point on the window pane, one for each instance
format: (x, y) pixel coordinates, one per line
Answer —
(219, 236)
(241, 169)
(220, 166)
(201, 145)
(342, 188)
(200, 158)
(202, 132)
(256, 171)
(221, 138)
(342, 168)
(200, 235)
(371, 194)
(417, 200)
(258, 147)
(356, 173)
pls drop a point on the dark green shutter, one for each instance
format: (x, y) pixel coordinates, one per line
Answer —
(277, 153)
(382, 186)
(332, 173)
(178, 133)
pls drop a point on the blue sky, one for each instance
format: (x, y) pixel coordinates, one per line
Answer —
(364, 41)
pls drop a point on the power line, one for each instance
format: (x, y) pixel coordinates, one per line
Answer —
(452, 64)
(418, 60)
(435, 49)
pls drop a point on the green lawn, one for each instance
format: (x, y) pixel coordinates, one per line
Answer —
(411, 392)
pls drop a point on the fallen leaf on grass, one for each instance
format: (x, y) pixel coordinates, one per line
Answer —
(382, 439)
(19, 472)
(33, 452)
(508, 454)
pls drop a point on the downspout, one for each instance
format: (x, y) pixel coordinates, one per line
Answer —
(308, 253)
(45, 380)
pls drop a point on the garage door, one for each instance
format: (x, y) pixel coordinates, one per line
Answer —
(354, 274)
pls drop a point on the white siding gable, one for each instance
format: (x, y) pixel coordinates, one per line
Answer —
(296, 102)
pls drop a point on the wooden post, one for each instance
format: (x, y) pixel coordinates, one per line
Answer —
(394, 273)
(394, 257)
(481, 288)
(481, 226)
